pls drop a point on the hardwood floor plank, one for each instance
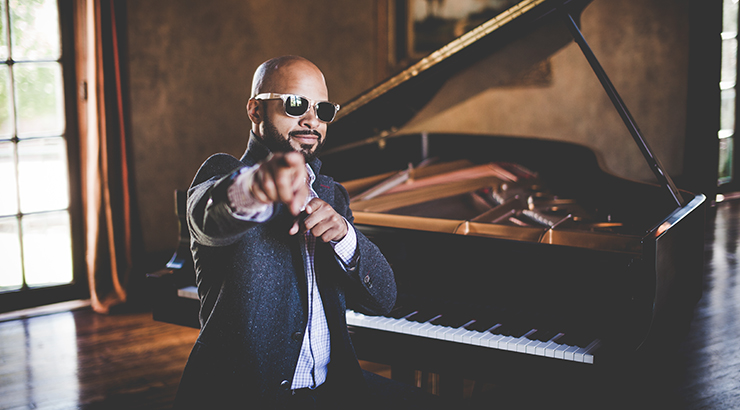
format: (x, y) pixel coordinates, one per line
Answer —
(82, 360)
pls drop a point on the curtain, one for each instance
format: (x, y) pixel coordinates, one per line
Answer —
(106, 192)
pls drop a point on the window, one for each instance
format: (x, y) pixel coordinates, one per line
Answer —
(728, 91)
(35, 218)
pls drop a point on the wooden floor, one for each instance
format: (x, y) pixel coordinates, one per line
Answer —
(75, 359)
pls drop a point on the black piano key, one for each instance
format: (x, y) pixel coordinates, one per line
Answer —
(543, 335)
(575, 339)
(400, 312)
(454, 320)
(512, 330)
(422, 316)
(482, 325)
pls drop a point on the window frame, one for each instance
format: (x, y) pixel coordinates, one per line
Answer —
(30, 297)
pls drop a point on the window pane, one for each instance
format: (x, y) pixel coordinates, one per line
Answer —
(42, 174)
(11, 275)
(727, 109)
(39, 100)
(34, 30)
(6, 104)
(729, 15)
(725, 160)
(47, 248)
(729, 62)
(9, 200)
(3, 33)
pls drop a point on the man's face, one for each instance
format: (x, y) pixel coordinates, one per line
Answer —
(283, 133)
(306, 141)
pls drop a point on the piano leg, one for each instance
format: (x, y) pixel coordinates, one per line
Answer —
(445, 385)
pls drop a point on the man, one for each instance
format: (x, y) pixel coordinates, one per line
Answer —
(278, 261)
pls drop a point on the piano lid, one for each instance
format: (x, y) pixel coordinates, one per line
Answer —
(383, 110)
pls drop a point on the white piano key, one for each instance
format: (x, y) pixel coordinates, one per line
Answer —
(559, 352)
(435, 332)
(458, 336)
(578, 355)
(468, 337)
(423, 329)
(445, 332)
(354, 318)
(398, 324)
(569, 352)
(488, 339)
(531, 347)
(503, 343)
(476, 338)
(547, 349)
(520, 344)
(450, 333)
(406, 326)
(188, 292)
(588, 356)
(455, 334)
(381, 322)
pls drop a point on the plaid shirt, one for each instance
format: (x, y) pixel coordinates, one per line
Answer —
(311, 368)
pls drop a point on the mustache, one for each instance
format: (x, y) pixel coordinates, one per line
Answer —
(306, 132)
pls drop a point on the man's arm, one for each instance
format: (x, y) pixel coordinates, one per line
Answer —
(213, 219)
(371, 288)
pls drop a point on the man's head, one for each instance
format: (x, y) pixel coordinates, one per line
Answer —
(284, 122)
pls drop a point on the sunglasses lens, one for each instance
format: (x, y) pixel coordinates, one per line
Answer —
(325, 111)
(296, 105)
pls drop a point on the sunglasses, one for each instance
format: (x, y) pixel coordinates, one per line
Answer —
(296, 106)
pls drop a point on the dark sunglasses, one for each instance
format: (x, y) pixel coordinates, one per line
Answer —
(296, 106)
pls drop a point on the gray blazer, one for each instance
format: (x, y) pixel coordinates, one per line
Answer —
(252, 287)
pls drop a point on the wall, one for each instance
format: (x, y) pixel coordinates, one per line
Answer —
(191, 64)
(642, 46)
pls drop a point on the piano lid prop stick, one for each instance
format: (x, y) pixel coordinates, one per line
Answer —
(652, 160)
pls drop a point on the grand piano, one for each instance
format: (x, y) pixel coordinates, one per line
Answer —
(510, 253)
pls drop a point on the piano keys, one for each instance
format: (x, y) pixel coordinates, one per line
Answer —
(475, 332)
(460, 327)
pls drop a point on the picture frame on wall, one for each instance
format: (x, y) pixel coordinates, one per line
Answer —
(416, 28)
(423, 26)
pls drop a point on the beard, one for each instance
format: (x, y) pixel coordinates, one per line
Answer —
(277, 142)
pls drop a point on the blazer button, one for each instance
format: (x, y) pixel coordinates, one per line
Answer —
(297, 336)
(285, 385)
(367, 281)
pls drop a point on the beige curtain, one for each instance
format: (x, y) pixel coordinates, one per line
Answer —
(103, 153)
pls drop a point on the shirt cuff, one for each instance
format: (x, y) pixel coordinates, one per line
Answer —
(242, 204)
(346, 247)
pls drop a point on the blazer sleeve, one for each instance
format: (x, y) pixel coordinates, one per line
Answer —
(211, 221)
(372, 285)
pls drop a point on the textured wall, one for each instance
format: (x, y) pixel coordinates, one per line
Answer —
(642, 46)
(191, 64)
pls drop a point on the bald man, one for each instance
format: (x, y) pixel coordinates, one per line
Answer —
(278, 261)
